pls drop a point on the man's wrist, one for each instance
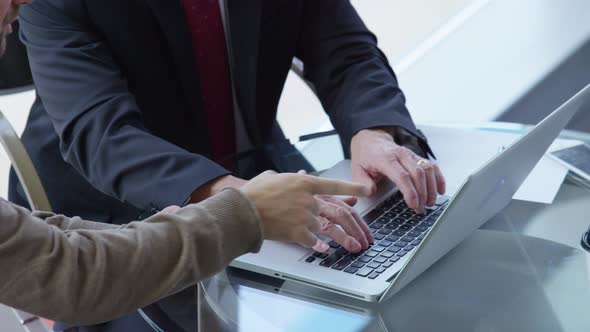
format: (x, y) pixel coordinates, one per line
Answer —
(215, 186)
(403, 138)
(381, 132)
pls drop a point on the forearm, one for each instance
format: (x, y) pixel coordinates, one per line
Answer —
(352, 76)
(89, 276)
(402, 137)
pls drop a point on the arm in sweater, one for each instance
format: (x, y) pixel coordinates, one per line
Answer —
(83, 272)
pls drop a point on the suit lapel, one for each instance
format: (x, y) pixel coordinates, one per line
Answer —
(244, 24)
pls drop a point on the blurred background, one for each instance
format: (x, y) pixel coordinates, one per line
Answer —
(456, 60)
(471, 60)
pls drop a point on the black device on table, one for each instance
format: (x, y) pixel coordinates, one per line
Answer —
(577, 160)
(586, 240)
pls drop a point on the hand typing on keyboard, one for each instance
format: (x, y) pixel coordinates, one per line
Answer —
(375, 154)
(289, 210)
(340, 222)
(397, 230)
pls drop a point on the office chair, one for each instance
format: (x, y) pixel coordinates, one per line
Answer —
(23, 166)
(15, 76)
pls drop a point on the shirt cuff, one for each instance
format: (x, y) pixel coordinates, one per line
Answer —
(417, 143)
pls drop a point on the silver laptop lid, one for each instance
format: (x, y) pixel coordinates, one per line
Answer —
(487, 191)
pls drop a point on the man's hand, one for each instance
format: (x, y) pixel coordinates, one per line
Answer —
(340, 222)
(289, 210)
(374, 154)
(338, 219)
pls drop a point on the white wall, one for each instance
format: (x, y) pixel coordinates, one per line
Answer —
(400, 26)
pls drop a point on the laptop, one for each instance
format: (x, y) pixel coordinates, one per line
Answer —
(407, 244)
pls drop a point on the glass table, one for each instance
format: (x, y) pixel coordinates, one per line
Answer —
(522, 271)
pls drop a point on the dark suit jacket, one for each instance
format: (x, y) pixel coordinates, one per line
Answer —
(117, 128)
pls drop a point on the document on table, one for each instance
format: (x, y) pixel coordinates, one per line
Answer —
(462, 151)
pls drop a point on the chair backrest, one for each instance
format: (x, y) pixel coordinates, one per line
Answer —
(15, 76)
(23, 166)
(36, 197)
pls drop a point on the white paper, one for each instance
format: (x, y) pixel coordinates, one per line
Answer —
(461, 151)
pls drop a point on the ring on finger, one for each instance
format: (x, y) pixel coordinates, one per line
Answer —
(422, 162)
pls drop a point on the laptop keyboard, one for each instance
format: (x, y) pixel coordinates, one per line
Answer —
(397, 230)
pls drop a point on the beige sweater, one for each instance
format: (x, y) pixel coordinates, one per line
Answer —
(83, 272)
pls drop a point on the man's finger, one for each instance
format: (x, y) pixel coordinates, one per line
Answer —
(337, 234)
(402, 179)
(342, 215)
(409, 161)
(430, 177)
(321, 186)
(321, 246)
(441, 184)
(362, 224)
(348, 200)
(313, 225)
(315, 208)
(430, 184)
(307, 239)
(359, 175)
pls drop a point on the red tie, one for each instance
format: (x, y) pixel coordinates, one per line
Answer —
(208, 39)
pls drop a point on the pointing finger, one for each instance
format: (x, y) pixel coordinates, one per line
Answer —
(321, 186)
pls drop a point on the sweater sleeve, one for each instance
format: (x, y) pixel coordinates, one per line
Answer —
(90, 275)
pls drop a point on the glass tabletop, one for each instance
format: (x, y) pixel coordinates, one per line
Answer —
(522, 271)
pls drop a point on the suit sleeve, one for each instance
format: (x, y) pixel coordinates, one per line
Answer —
(97, 119)
(81, 272)
(352, 77)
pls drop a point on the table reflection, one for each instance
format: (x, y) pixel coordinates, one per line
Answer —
(494, 281)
